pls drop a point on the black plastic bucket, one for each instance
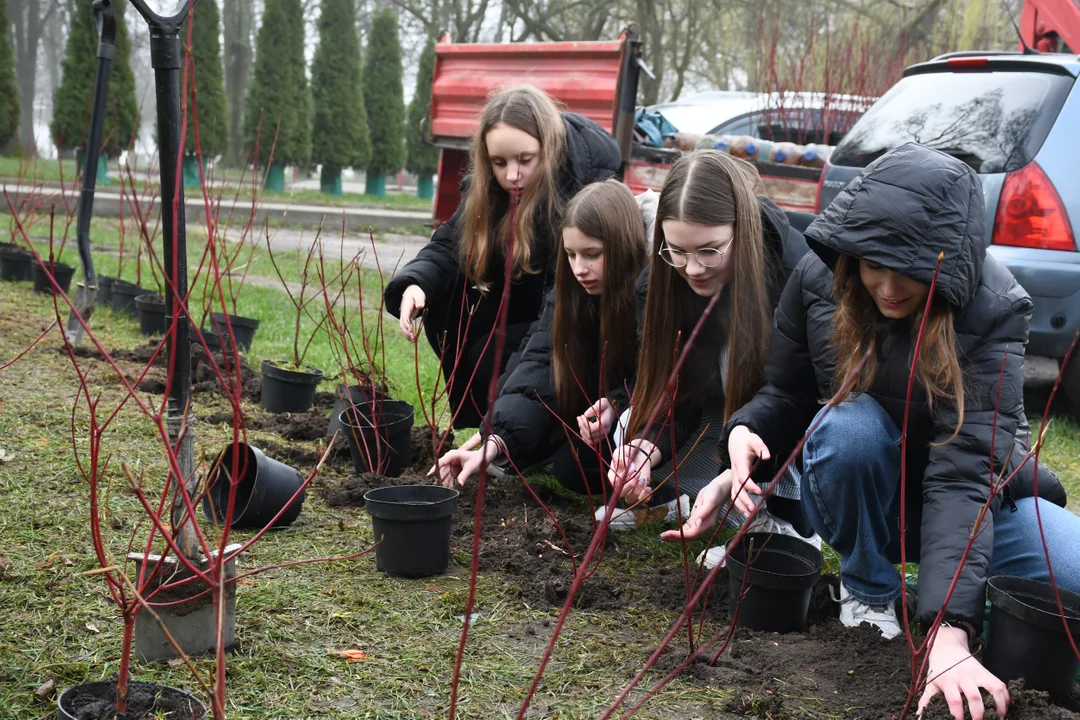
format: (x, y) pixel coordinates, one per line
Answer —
(153, 314)
(412, 526)
(354, 395)
(1026, 637)
(265, 487)
(123, 297)
(782, 574)
(15, 264)
(382, 444)
(178, 703)
(61, 272)
(243, 329)
(105, 285)
(288, 390)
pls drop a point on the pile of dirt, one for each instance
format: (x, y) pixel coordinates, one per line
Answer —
(297, 427)
(140, 354)
(204, 378)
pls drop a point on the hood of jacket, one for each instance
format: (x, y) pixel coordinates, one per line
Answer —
(592, 153)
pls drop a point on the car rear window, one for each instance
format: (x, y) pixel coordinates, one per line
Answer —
(993, 121)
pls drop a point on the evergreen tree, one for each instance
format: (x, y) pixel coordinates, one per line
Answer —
(71, 111)
(340, 131)
(423, 157)
(384, 98)
(278, 93)
(9, 94)
(209, 82)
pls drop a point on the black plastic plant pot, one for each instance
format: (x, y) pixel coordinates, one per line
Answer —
(1026, 638)
(61, 272)
(782, 573)
(353, 395)
(105, 285)
(123, 297)
(153, 314)
(145, 699)
(265, 487)
(412, 526)
(216, 343)
(288, 390)
(379, 435)
(243, 328)
(15, 264)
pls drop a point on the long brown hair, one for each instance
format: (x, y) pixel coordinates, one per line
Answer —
(857, 322)
(532, 111)
(605, 211)
(711, 188)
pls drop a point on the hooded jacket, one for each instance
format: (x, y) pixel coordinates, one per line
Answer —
(908, 207)
(591, 155)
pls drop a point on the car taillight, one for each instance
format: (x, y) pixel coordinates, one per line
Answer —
(820, 184)
(968, 63)
(1030, 212)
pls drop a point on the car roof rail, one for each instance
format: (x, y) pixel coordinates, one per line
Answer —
(975, 53)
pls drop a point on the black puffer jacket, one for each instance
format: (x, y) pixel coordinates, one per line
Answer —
(905, 209)
(591, 156)
(784, 247)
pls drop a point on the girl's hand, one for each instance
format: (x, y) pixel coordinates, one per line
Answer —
(469, 444)
(744, 449)
(413, 301)
(631, 470)
(953, 672)
(458, 466)
(595, 423)
(706, 512)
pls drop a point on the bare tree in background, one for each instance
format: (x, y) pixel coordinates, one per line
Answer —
(463, 18)
(29, 19)
(238, 21)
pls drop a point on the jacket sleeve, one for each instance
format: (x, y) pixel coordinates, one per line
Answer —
(783, 409)
(521, 417)
(435, 268)
(956, 482)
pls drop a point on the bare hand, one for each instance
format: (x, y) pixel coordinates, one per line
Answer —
(413, 302)
(706, 511)
(744, 448)
(953, 672)
(631, 470)
(458, 466)
(469, 444)
(595, 423)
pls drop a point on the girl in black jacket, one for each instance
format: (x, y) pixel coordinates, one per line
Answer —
(584, 347)
(713, 236)
(865, 288)
(526, 150)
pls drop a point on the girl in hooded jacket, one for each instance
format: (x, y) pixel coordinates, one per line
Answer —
(528, 155)
(584, 347)
(865, 288)
(716, 238)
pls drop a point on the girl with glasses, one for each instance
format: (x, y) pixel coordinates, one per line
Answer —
(526, 153)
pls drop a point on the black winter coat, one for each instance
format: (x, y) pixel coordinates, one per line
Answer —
(784, 247)
(905, 209)
(591, 156)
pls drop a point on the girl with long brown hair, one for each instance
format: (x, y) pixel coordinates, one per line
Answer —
(525, 155)
(561, 399)
(864, 290)
(714, 236)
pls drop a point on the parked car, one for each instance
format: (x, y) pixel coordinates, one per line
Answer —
(1013, 118)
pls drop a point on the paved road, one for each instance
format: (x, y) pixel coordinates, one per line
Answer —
(390, 250)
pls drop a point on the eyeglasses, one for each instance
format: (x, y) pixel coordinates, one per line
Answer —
(706, 257)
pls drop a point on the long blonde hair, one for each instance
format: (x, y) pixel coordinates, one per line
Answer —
(487, 216)
(856, 323)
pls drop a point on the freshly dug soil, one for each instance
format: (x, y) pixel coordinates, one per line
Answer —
(298, 427)
(146, 701)
(203, 378)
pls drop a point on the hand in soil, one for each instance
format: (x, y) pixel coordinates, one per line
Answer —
(457, 466)
(469, 444)
(706, 511)
(594, 423)
(631, 470)
(745, 449)
(953, 672)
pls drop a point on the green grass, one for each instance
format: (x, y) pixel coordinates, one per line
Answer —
(36, 169)
(394, 201)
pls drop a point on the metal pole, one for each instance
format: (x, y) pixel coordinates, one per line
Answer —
(167, 60)
(87, 294)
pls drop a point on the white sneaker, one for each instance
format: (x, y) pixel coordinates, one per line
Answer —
(763, 522)
(854, 613)
(626, 519)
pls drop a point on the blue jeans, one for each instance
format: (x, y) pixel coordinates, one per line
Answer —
(851, 494)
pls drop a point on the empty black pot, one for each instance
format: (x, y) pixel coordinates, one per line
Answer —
(288, 390)
(382, 444)
(152, 314)
(61, 272)
(15, 264)
(353, 395)
(105, 285)
(123, 297)
(1026, 637)
(412, 526)
(243, 329)
(265, 487)
(781, 576)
